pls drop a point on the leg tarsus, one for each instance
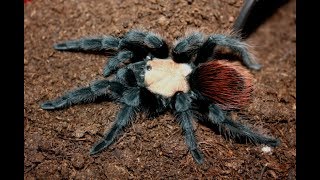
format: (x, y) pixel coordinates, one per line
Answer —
(74, 97)
(126, 115)
(184, 117)
(236, 129)
(197, 156)
(85, 94)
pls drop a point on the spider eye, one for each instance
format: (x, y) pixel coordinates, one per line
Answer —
(148, 67)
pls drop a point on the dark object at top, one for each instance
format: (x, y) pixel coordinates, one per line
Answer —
(253, 13)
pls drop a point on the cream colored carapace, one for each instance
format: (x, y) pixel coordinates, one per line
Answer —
(165, 77)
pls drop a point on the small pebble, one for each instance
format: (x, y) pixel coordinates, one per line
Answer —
(266, 149)
(231, 19)
(77, 161)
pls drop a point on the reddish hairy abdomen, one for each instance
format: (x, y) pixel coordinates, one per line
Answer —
(227, 84)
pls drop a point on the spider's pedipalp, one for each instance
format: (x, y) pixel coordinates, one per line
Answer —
(107, 43)
(85, 95)
(234, 44)
(125, 115)
(114, 62)
(235, 129)
(186, 48)
(126, 76)
(184, 117)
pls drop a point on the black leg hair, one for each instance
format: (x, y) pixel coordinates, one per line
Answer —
(107, 43)
(142, 43)
(184, 116)
(135, 41)
(235, 129)
(126, 76)
(88, 94)
(207, 50)
(187, 48)
(126, 115)
(131, 100)
(114, 62)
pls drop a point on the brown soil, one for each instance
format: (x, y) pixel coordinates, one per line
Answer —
(57, 143)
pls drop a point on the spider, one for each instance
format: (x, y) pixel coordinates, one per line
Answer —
(145, 75)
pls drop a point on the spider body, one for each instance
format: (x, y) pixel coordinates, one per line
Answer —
(191, 83)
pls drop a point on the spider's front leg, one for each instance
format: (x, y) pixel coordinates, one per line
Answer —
(207, 49)
(235, 129)
(86, 94)
(105, 43)
(184, 116)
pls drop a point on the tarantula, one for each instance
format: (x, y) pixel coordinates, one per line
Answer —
(189, 80)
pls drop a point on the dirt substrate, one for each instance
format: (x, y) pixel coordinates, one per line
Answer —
(57, 143)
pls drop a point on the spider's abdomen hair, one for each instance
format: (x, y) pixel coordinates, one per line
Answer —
(227, 84)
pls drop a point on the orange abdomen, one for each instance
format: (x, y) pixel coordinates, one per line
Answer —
(227, 84)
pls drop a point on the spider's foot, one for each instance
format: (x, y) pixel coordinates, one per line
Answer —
(47, 105)
(106, 72)
(273, 142)
(197, 156)
(56, 104)
(255, 66)
(61, 46)
(98, 147)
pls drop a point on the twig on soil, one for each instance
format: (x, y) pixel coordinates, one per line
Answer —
(73, 139)
(263, 170)
(32, 167)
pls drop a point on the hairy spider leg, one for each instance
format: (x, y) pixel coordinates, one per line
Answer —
(137, 45)
(131, 101)
(114, 62)
(105, 43)
(125, 115)
(207, 50)
(145, 42)
(184, 117)
(101, 88)
(235, 129)
(186, 48)
(134, 99)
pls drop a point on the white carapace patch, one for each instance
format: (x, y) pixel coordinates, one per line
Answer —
(165, 77)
